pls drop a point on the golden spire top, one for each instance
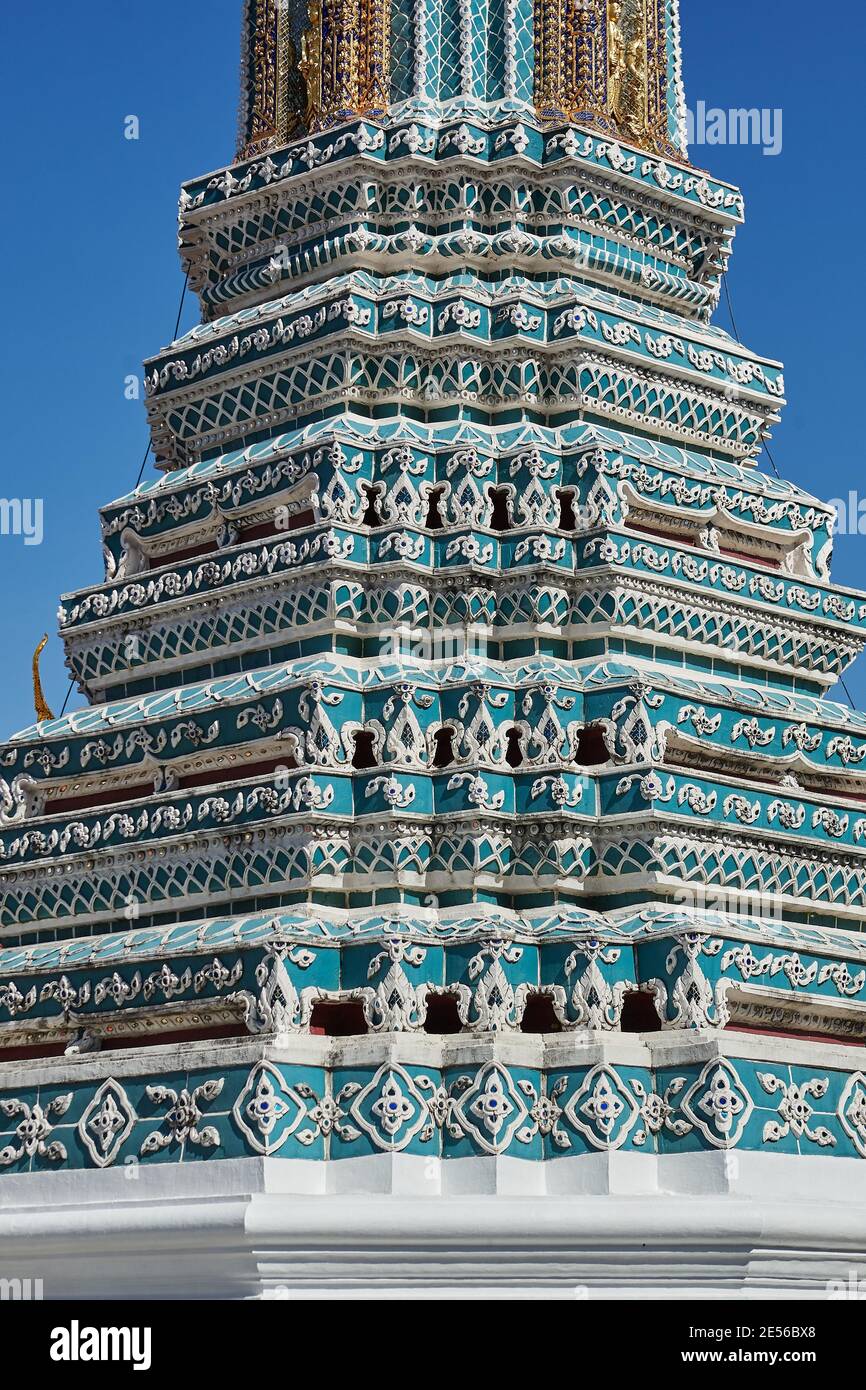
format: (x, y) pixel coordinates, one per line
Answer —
(39, 703)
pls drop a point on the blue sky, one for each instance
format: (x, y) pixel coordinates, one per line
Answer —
(92, 277)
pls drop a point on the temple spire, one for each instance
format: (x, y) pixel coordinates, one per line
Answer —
(611, 65)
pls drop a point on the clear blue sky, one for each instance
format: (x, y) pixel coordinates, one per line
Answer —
(92, 279)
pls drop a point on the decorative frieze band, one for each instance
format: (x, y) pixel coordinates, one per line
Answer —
(442, 1107)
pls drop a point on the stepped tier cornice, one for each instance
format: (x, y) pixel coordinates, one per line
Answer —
(664, 480)
(297, 615)
(485, 147)
(474, 550)
(410, 791)
(535, 382)
(270, 974)
(414, 309)
(541, 247)
(211, 871)
(320, 926)
(488, 292)
(663, 235)
(563, 251)
(509, 844)
(301, 708)
(669, 855)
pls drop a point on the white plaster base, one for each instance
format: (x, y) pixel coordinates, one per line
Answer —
(395, 1226)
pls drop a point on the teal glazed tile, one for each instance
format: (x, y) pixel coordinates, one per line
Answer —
(143, 1130)
(391, 1108)
(136, 1088)
(764, 1130)
(210, 1153)
(14, 1157)
(27, 1097)
(491, 1110)
(688, 1137)
(81, 1094)
(836, 1081)
(822, 1134)
(233, 1079)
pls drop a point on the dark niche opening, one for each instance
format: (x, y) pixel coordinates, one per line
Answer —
(443, 754)
(434, 520)
(500, 519)
(591, 748)
(338, 1018)
(639, 1013)
(442, 1014)
(567, 516)
(372, 516)
(513, 751)
(364, 755)
(539, 1015)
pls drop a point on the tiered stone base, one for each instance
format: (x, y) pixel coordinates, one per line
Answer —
(591, 1190)
(241, 1236)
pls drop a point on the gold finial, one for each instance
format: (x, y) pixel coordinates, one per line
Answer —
(42, 709)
